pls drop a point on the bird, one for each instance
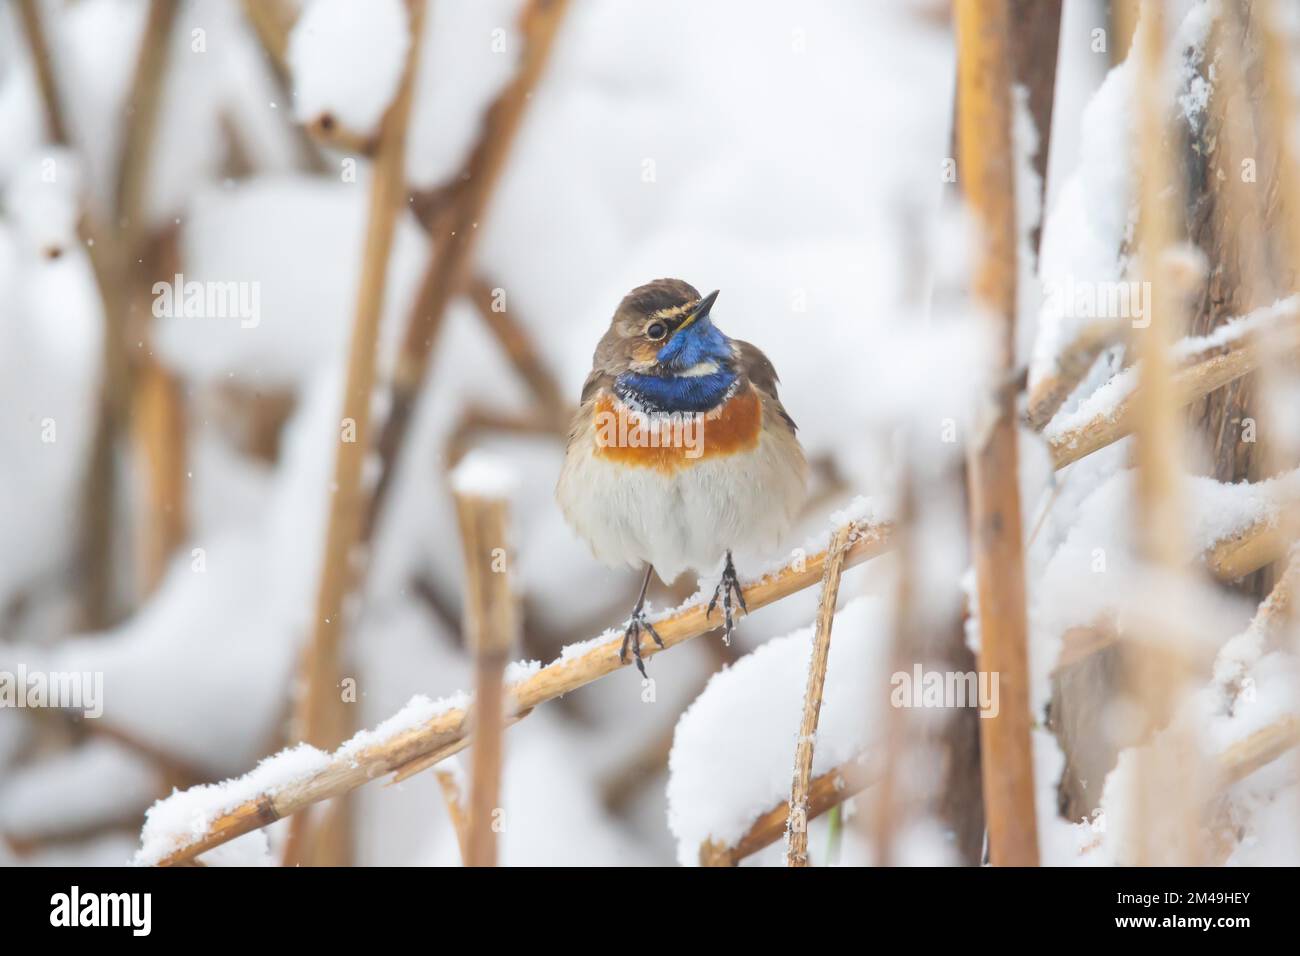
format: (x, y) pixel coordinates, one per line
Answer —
(680, 451)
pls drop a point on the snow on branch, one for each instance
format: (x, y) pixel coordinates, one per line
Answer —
(826, 791)
(193, 821)
(1231, 352)
(734, 746)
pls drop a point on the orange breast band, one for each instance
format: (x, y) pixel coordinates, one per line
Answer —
(669, 443)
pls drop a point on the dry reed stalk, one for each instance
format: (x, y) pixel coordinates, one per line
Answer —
(1279, 108)
(986, 161)
(518, 345)
(272, 22)
(1048, 394)
(1246, 552)
(451, 795)
(114, 256)
(455, 236)
(321, 714)
(39, 48)
(133, 172)
(797, 827)
(158, 424)
(1035, 42)
(421, 747)
(490, 626)
(1277, 612)
(1237, 358)
(1258, 750)
(127, 385)
(1225, 230)
(96, 523)
(477, 420)
(1279, 117)
(408, 770)
(159, 421)
(1159, 495)
(1230, 559)
(1274, 618)
(824, 792)
(882, 823)
(1155, 405)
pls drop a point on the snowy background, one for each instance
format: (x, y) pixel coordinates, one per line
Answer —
(789, 155)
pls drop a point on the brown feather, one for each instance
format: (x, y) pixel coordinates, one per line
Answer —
(753, 365)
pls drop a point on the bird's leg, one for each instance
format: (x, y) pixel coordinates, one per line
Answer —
(727, 587)
(636, 624)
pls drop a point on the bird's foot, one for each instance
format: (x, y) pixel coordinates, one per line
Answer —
(728, 587)
(637, 624)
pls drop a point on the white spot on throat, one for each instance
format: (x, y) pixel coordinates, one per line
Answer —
(699, 369)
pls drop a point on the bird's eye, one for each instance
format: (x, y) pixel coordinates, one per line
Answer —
(656, 331)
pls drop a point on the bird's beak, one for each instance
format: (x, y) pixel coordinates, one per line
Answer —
(701, 311)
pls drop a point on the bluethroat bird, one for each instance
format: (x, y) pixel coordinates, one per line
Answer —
(680, 450)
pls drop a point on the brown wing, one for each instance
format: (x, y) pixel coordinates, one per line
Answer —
(596, 381)
(754, 365)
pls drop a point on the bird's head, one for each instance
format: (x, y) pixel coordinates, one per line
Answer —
(664, 351)
(664, 328)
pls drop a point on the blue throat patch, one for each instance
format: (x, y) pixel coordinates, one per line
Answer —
(666, 390)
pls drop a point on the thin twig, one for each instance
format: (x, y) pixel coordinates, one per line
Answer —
(39, 48)
(824, 792)
(518, 345)
(797, 828)
(449, 783)
(272, 22)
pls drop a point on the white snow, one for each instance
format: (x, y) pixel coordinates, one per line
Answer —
(271, 234)
(347, 60)
(1094, 213)
(1104, 401)
(481, 474)
(100, 782)
(708, 141)
(733, 749)
(186, 814)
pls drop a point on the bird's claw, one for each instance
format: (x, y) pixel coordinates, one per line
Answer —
(728, 586)
(636, 624)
